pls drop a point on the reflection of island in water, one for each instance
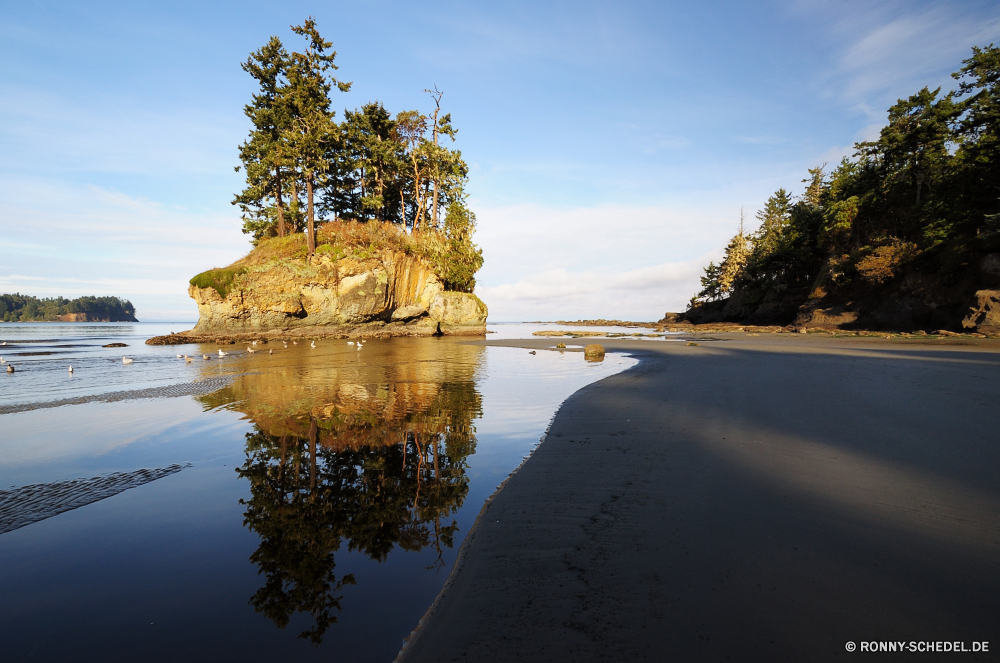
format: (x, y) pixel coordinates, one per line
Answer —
(372, 452)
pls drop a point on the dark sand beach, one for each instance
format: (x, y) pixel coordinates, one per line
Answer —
(748, 499)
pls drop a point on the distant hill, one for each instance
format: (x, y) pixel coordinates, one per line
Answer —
(25, 308)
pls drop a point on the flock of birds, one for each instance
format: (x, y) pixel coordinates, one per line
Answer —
(125, 360)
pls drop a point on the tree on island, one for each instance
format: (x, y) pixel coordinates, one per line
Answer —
(263, 161)
(371, 167)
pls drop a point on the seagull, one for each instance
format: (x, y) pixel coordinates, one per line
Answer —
(205, 357)
(313, 345)
(187, 360)
(285, 344)
(250, 350)
(270, 352)
(295, 342)
(222, 354)
(10, 368)
(126, 360)
(2, 360)
(350, 342)
(178, 356)
(70, 369)
(255, 342)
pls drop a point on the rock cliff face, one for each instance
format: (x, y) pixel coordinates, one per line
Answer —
(392, 294)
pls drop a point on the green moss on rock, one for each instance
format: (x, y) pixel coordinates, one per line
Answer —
(220, 279)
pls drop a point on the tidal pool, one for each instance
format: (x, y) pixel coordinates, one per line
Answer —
(287, 504)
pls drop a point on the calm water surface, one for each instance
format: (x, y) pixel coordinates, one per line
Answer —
(287, 504)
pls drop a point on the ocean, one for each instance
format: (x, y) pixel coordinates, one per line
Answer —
(290, 503)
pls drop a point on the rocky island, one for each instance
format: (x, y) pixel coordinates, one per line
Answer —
(371, 280)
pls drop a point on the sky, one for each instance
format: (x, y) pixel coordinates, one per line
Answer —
(612, 145)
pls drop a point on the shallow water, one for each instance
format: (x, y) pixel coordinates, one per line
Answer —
(295, 505)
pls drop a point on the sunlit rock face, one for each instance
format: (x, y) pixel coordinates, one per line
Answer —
(394, 293)
(984, 315)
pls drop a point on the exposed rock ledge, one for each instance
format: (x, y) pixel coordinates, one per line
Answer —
(392, 295)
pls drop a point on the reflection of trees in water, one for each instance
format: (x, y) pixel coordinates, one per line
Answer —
(307, 495)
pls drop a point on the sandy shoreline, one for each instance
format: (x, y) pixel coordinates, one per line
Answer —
(757, 498)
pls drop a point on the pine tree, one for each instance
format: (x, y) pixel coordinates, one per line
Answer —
(311, 127)
(464, 258)
(737, 254)
(263, 159)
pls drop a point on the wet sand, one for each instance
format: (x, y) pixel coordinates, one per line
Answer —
(756, 498)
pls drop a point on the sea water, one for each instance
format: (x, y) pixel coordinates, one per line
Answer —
(291, 503)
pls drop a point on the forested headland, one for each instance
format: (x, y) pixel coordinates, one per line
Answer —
(25, 308)
(305, 168)
(903, 235)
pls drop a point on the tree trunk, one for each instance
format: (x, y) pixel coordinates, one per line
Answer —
(309, 211)
(281, 212)
(402, 206)
(313, 434)
(416, 195)
(437, 169)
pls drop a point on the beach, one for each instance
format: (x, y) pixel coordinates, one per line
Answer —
(773, 497)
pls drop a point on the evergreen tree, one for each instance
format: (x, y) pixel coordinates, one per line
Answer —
(735, 261)
(464, 257)
(311, 128)
(264, 162)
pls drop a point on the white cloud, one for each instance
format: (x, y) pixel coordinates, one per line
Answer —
(641, 294)
(604, 262)
(67, 240)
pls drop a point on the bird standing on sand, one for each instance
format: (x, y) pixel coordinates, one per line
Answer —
(2, 360)
(222, 354)
(70, 369)
(178, 356)
(350, 342)
(313, 345)
(126, 360)
(205, 357)
(295, 342)
(250, 350)
(270, 352)
(187, 360)
(10, 368)
(285, 344)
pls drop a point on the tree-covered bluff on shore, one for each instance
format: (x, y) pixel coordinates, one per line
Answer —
(903, 235)
(25, 308)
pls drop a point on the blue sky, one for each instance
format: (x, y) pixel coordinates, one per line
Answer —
(612, 145)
